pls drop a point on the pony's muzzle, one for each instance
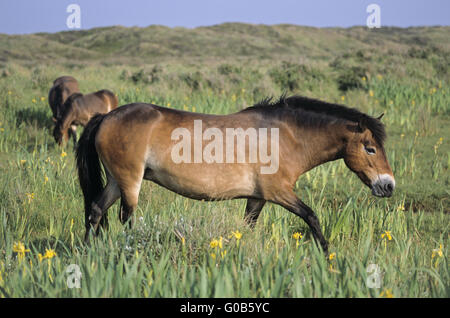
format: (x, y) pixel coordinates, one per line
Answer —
(383, 186)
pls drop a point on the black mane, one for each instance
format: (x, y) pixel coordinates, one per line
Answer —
(313, 112)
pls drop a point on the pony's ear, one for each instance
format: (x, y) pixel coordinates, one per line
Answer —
(381, 116)
(362, 123)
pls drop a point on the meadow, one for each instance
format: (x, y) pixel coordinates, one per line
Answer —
(186, 248)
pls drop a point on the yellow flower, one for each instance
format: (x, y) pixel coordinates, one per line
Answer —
(401, 207)
(40, 257)
(223, 253)
(342, 98)
(297, 236)
(20, 249)
(237, 235)
(437, 252)
(42, 99)
(183, 240)
(402, 135)
(233, 97)
(332, 256)
(213, 255)
(185, 107)
(413, 102)
(63, 154)
(214, 243)
(379, 76)
(22, 161)
(49, 253)
(34, 100)
(45, 179)
(2, 129)
(371, 93)
(193, 109)
(168, 104)
(30, 196)
(386, 235)
(9, 92)
(363, 78)
(387, 293)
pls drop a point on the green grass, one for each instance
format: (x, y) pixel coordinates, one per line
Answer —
(168, 252)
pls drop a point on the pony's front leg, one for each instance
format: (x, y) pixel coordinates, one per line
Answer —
(293, 204)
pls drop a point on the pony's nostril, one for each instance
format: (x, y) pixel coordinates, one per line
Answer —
(389, 187)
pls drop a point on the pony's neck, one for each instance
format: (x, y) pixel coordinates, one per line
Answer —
(321, 144)
(68, 116)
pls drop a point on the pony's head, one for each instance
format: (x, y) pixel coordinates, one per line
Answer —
(364, 154)
(60, 134)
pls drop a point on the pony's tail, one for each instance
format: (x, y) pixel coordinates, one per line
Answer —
(88, 163)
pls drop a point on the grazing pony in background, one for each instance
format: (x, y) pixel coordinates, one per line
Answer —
(137, 141)
(62, 88)
(78, 110)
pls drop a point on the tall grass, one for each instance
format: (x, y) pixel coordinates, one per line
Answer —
(171, 250)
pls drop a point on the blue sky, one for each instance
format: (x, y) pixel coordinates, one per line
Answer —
(29, 16)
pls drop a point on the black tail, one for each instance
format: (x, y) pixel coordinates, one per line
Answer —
(88, 163)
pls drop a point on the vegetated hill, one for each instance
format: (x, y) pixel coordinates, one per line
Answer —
(229, 40)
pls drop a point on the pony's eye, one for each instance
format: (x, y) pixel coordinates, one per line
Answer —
(370, 151)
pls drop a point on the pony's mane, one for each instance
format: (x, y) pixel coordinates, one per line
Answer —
(313, 112)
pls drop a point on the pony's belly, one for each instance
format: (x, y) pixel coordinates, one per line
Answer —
(203, 185)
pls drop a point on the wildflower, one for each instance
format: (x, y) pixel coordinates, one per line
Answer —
(63, 154)
(342, 98)
(233, 97)
(371, 93)
(45, 179)
(363, 78)
(9, 92)
(379, 76)
(413, 102)
(438, 143)
(437, 252)
(243, 91)
(168, 104)
(33, 100)
(185, 107)
(2, 129)
(386, 235)
(20, 249)
(297, 236)
(401, 207)
(193, 109)
(237, 235)
(332, 256)
(22, 161)
(30, 196)
(387, 293)
(183, 240)
(49, 253)
(391, 102)
(214, 243)
(42, 98)
(213, 255)
(402, 135)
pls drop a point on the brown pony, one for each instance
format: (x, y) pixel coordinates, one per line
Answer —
(62, 88)
(79, 108)
(144, 141)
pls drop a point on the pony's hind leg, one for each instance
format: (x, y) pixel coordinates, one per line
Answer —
(99, 207)
(128, 203)
(252, 211)
(73, 134)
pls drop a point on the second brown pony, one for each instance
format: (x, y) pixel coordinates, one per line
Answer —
(79, 108)
(62, 88)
